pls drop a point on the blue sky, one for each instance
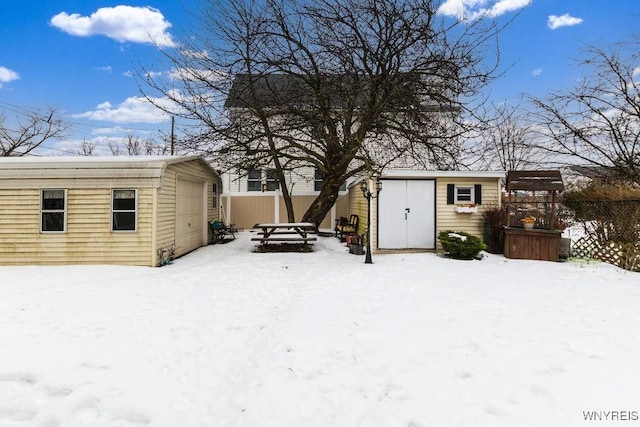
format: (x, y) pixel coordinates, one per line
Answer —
(80, 56)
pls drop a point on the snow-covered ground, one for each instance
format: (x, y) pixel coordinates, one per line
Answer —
(227, 337)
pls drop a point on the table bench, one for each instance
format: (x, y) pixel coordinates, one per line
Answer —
(285, 232)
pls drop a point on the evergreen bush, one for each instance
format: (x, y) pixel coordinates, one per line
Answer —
(461, 245)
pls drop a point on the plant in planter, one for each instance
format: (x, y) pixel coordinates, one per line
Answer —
(528, 222)
(461, 245)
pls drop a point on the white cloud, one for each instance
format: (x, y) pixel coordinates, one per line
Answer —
(106, 69)
(565, 20)
(7, 75)
(122, 23)
(536, 72)
(474, 9)
(132, 110)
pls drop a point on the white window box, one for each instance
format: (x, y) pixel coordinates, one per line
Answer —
(466, 209)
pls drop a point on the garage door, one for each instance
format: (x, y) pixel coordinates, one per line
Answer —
(406, 214)
(190, 217)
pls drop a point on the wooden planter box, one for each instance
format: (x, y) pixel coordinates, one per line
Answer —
(538, 244)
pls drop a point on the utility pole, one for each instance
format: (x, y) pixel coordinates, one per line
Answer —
(173, 136)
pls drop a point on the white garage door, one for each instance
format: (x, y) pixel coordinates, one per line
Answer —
(190, 216)
(406, 214)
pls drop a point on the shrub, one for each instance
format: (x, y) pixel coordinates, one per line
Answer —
(493, 230)
(609, 212)
(461, 245)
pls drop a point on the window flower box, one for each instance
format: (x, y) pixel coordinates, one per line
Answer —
(467, 209)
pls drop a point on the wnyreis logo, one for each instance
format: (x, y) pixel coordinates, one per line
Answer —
(610, 415)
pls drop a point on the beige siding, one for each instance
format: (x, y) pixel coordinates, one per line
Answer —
(166, 209)
(88, 238)
(358, 206)
(446, 216)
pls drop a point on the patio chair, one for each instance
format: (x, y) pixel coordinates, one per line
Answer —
(220, 231)
(346, 226)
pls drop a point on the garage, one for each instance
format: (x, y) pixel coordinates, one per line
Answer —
(190, 215)
(407, 214)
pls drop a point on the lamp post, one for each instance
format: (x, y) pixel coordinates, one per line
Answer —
(370, 189)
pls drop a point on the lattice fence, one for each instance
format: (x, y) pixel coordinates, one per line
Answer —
(624, 255)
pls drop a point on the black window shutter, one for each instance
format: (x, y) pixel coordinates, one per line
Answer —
(451, 188)
(477, 191)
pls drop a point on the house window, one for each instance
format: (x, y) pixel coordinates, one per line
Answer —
(254, 180)
(464, 194)
(272, 180)
(53, 210)
(214, 194)
(123, 210)
(318, 182)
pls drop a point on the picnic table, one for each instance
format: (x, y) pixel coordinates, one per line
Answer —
(285, 232)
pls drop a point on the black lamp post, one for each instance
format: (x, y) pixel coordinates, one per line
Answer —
(370, 193)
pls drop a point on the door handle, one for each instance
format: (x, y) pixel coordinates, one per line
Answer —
(406, 211)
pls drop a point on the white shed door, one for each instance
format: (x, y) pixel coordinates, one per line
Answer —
(406, 214)
(190, 218)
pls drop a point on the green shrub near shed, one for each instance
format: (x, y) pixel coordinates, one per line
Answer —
(461, 245)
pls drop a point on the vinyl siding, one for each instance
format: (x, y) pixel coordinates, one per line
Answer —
(446, 216)
(88, 238)
(301, 180)
(166, 208)
(358, 206)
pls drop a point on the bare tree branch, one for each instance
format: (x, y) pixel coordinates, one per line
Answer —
(32, 130)
(598, 121)
(344, 87)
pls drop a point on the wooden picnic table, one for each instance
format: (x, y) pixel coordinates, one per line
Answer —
(285, 232)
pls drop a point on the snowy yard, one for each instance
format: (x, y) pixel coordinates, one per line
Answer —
(226, 337)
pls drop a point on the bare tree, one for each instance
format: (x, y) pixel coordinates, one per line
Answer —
(31, 130)
(597, 122)
(87, 148)
(115, 147)
(133, 145)
(346, 87)
(506, 141)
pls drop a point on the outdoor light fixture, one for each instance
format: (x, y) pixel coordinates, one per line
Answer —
(370, 189)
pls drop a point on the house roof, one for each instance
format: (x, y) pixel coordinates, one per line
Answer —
(275, 90)
(539, 180)
(89, 166)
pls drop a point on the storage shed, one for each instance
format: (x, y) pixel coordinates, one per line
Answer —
(413, 206)
(104, 210)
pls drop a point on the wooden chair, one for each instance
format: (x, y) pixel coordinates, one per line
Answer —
(346, 226)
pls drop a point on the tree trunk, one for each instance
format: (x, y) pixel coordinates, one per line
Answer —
(324, 202)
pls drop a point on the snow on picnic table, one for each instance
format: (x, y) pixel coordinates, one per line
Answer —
(227, 337)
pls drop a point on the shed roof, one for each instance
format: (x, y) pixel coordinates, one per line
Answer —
(538, 180)
(93, 167)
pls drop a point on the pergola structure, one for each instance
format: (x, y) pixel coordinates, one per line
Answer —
(543, 242)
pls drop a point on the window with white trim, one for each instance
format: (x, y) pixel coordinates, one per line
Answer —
(123, 210)
(254, 180)
(464, 194)
(318, 181)
(214, 194)
(53, 211)
(272, 182)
